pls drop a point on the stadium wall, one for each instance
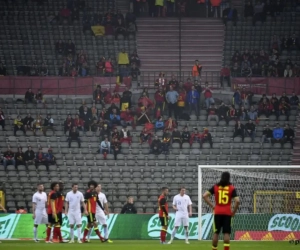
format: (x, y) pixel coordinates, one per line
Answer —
(247, 227)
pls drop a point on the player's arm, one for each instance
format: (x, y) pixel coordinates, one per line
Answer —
(190, 207)
(206, 197)
(67, 205)
(84, 205)
(162, 203)
(236, 202)
(174, 204)
(3, 208)
(106, 209)
(33, 209)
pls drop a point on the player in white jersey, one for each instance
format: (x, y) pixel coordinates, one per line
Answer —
(101, 213)
(39, 213)
(182, 204)
(4, 210)
(74, 202)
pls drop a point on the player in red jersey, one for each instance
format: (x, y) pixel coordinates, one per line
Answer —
(224, 193)
(60, 207)
(52, 210)
(163, 214)
(91, 200)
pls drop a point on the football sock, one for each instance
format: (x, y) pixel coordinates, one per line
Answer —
(163, 234)
(86, 230)
(59, 233)
(186, 234)
(35, 233)
(48, 233)
(226, 246)
(98, 233)
(72, 233)
(78, 233)
(105, 232)
(214, 248)
(173, 233)
(89, 233)
(52, 234)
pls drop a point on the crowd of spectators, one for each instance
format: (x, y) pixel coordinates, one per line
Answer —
(35, 69)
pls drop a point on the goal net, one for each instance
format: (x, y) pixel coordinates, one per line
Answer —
(269, 202)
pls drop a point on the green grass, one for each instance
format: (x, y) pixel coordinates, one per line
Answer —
(145, 245)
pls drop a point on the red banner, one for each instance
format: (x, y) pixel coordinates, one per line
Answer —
(266, 235)
(265, 85)
(55, 85)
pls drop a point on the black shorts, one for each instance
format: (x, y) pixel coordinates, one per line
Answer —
(52, 220)
(91, 218)
(164, 221)
(59, 215)
(222, 222)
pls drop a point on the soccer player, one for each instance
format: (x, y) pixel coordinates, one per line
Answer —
(101, 211)
(182, 204)
(52, 208)
(5, 211)
(60, 207)
(91, 199)
(39, 213)
(73, 204)
(163, 214)
(224, 193)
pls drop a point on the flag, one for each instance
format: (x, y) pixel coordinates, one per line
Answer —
(98, 30)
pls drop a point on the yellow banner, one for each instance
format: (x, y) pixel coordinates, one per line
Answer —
(2, 198)
(98, 30)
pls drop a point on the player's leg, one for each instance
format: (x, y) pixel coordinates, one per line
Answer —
(177, 224)
(90, 233)
(78, 224)
(35, 230)
(102, 221)
(185, 223)
(88, 226)
(71, 219)
(227, 231)
(164, 227)
(49, 228)
(217, 224)
(96, 229)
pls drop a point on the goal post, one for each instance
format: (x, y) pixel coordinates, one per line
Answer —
(269, 196)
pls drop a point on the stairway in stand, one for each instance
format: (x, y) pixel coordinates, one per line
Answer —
(122, 5)
(158, 47)
(296, 150)
(239, 6)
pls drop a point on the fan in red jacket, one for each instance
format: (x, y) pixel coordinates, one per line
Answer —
(170, 124)
(78, 123)
(195, 137)
(126, 118)
(265, 108)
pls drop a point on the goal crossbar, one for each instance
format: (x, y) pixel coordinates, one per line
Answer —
(228, 168)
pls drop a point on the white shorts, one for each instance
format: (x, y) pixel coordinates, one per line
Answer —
(101, 218)
(40, 218)
(181, 220)
(74, 218)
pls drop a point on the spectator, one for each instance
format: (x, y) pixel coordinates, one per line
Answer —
(2, 120)
(135, 73)
(78, 123)
(230, 14)
(112, 107)
(98, 95)
(43, 70)
(18, 125)
(172, 98)
(239, 130)
(83, 70)
(8, 158)
(116, 147)
(29, 96)
(39, 97)
(188, 85)
(120, 29)
(267, 134)
(173, 82)
(288, 72)
(235, 70)
(237, 101)
(166, 140)
(129, 207)
(159, 124)
(145, 136)
(20, 157)
(115, 119)
(275, 43)
(104, 132)
(63, 70)
(284, 109)
(242, 114)
(185, 135)
(215, 8)
(59, 47)
(74, 72)
(196, 71)
(296, 70)
(181, 102)
(285, 43)
(50, 159)
(48, 124)
(232, 114)
(127, 119)
(160, 10)
(294, 100)
(70, 48)
(74, 136)
(155, 146)
(116, 98)
(159, 98)
(206, 138)
(246, 97)
(252, 113)
(170, 124)
(131, 29)
(246, 70)
(109, 68)
(284, 97)
(176, 136)
(29, 156)
(126, 99)
(225, 75)
(40, 159)
(250, 129)
(258, 12)
(2, 69)
(105, 147)
(21, 210)
(248, 10)
(123, 58)
(222, 112)
(288, 135)
(86, 116)
(195, 137)
(100, 66)
(193, 99)
(125, 135)
(212, 113)
(294, 42)
(208, 96)
(65, 13)
(278, 134)
(265, 108)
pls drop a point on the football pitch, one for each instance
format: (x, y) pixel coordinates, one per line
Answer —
(145, 245)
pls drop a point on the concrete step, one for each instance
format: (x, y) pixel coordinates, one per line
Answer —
(175, 68)
(186, 34)
(184, 20)
(167, 43)
(184, 56)
(172, 39)
(202, 50)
